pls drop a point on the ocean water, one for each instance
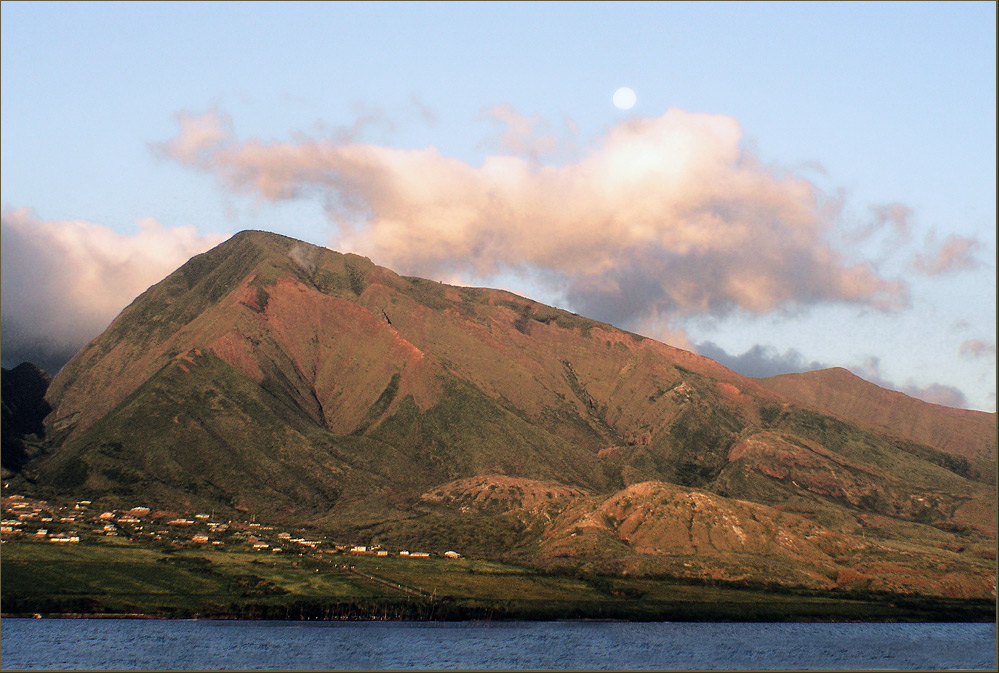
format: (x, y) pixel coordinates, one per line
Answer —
(191, 644)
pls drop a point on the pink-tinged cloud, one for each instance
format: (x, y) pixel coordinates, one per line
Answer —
(977, 348)
(664, 216)
(523, 136)
(956, 253)
(64, 281)
(895, 217)
(198, 135)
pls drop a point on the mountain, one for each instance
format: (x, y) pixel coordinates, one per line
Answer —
(305, 386)
(24, 410)
(836, 391)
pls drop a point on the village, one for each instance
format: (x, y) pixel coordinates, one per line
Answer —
(86, 521)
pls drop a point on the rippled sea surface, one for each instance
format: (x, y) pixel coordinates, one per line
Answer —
(164, 644)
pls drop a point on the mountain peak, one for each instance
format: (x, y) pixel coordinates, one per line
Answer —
(310, 386)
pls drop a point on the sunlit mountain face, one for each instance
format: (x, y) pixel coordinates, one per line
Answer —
(302, 385)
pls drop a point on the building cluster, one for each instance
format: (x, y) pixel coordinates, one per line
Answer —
(378, 551)
(37, 520)
(64, 524)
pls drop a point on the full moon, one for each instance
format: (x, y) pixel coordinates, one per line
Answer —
(624, 98)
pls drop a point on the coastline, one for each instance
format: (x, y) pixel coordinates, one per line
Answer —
(828, 610)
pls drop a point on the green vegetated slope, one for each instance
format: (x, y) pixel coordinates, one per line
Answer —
(123, 578)
(275, 377)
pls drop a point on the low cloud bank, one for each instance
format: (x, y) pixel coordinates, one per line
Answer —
(63, 282)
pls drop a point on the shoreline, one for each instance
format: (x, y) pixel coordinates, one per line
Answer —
(902, 619)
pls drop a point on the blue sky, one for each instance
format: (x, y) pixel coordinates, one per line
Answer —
(799, 185)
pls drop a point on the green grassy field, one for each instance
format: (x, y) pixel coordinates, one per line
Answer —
(118, 577)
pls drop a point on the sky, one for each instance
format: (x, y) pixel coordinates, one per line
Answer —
(797, 186)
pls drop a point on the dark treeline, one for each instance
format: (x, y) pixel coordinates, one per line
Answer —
(911, 609)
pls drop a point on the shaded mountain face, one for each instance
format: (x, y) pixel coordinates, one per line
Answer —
(24, 409)
(275, 377)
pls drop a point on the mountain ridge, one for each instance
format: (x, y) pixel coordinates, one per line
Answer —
(838, 391)
(304, 385)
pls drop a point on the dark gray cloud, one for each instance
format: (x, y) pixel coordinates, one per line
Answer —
(24, 343)
(934, 393)
(760, 361)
